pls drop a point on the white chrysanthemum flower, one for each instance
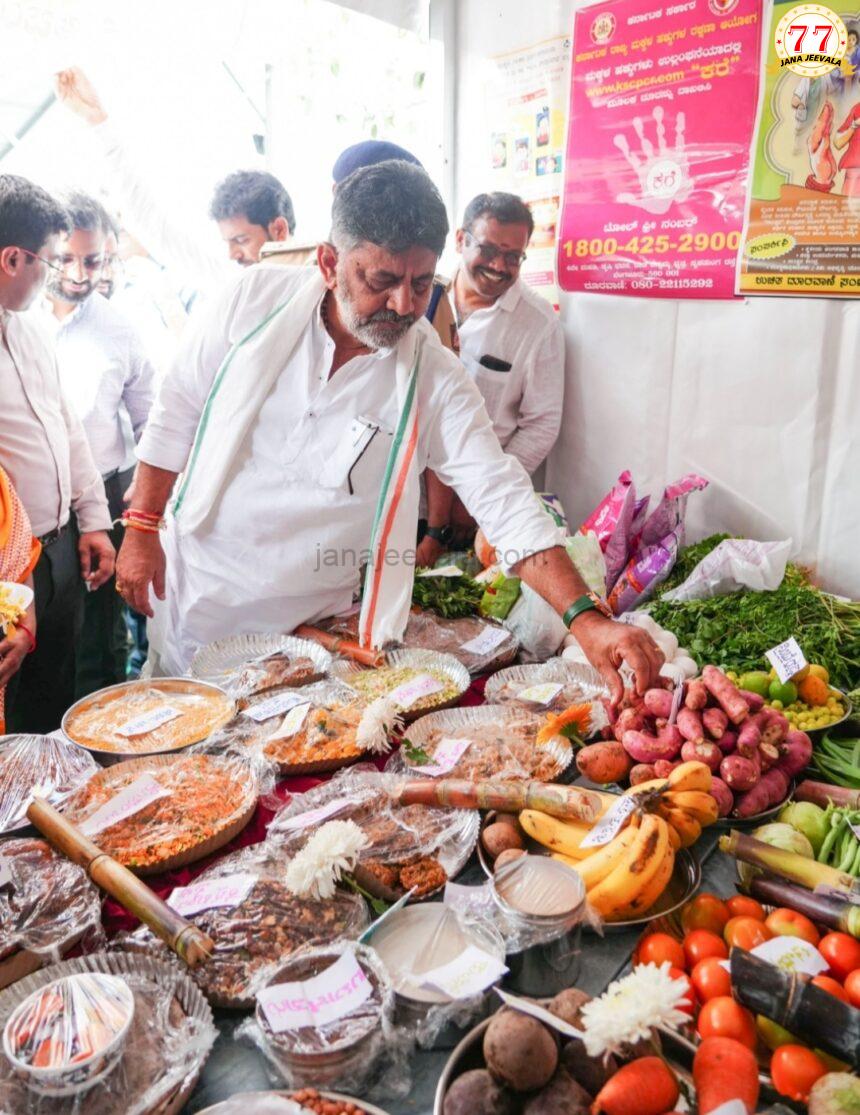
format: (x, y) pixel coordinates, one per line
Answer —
(632, 1007)
(331, 851)
(378, 721)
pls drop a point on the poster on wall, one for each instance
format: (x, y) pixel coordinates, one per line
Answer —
(526, 107)
(662, 107)
(803, 228)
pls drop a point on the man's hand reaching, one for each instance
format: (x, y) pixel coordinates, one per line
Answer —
(607, 644)
(75, 90)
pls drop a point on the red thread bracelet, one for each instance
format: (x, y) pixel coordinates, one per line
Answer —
(23, 627)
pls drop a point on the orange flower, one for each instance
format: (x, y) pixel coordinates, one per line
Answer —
(572, 723)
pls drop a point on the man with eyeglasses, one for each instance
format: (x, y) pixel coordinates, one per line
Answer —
(44, 450)
(110, 381)
(512, 345)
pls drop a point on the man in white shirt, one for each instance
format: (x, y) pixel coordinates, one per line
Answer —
(44, 450)
(300, 416)
(109, 380)
(512, 345)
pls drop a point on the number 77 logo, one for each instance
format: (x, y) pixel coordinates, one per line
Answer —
(824, 28)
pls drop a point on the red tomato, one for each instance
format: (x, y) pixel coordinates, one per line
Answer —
(739, 906)
(699, 944)
(852, 986)
(842, 953)
(788, 923)
(710, 979)
(688, 1003)
(705, 911)
(657, 948)
(745, 932)
(832, 987)
(724, 1018)
(794, 1069)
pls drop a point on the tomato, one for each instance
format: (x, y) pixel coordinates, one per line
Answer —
(688, 1003)
(706, 911)
(841, 952)
(832, 987)
(746, 932)
(739, 906)
(788, 923)
(724, 1018)
(852, 986)
(794, 1069)
(710, 979)
(700, 944)
(657, 948)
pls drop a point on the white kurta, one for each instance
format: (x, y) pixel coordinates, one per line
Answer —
(289, 532)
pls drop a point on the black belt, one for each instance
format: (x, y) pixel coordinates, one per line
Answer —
(53, 535)
(110, 475)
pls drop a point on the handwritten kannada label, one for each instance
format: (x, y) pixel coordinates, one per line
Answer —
(409, 692)
(442, 571)
(446, 756)
(149, 721)
(486, 640)
(787, 659)
(467, 974)
(334, 993)
(540, 694)
(206, 894)
(313, 816)
(274, 706)
(792, 954)
(132, 799)
(610, 823)
(291, 722)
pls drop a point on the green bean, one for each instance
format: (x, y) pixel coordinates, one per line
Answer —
(829, 840)
(849, 849)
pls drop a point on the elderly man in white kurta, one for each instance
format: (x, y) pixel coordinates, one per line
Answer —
(300, 416)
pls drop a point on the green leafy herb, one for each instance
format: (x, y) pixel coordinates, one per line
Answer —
(451, 597)
(415, 755)
(378, 905)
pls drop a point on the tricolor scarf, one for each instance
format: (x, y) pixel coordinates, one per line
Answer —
(241, 386)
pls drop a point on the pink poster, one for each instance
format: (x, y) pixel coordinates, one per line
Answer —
(662, 107)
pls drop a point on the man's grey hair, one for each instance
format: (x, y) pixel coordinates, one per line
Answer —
(85, 213)
(393, 204)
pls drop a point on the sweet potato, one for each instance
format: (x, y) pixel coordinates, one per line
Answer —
(658, 702)
(775, 727)
(645, 748)
(664, 767)
(642, 772)
(629, 720)
(604, 762)
(754, 700)
(696, 697)
(724, 797)
(702, 751)
(690, 725)
(728, 742)
(739, 773)
(726, 694)
(749, 736)
(770, 790)
(796, 752)
(715, 721)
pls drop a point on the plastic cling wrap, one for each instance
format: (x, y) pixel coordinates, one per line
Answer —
(736, 563)
(44, 765)
(539, 900)
(547, 686)
(48, 903)
(168, 1039)
(479, 643)
(247, 664)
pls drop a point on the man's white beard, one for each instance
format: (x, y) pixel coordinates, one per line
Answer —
(367, 331)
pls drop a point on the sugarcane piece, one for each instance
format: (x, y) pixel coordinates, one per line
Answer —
(823, 909)
(789, 865)
(820, 793)
(188, 942)
(792, 1001)
(364, 656)
(569, 802)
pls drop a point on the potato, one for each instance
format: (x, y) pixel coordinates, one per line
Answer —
(591, 1072)
(562, 1096)
(476, 1093)
(604, 762)
(507, 856)
(568, 1005)
(498, 838)
(507, 819)
(642, 772)
(520, 1051)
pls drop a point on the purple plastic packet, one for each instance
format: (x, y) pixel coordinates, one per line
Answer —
(616, 520)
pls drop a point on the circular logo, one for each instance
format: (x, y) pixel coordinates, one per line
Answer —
(811, 40)
(723, 7)
(663, 178)
(602, 27)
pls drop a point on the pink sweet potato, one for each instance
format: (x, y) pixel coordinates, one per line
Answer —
(645, 748)
(690, 725)
(749, 736)
(770, 790)
(754, 700)
(728, 742)
(629, 720)
(796, 753)
(715, 721)
(642, 772)
(726, 694)
(664, 767)
(739, 773)
(604, 762)
(702, 751)
(724, 797)
(658, 702)
(768, 754)
(697, 695)
(775, 727)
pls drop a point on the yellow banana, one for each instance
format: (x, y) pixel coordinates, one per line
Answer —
(674, 838)
(636, 869)
(605, 858)
(660, 784)
(607, 800)
(684, 823)
(690, 776)
(697, 802)
(559, 836)
(653, 891)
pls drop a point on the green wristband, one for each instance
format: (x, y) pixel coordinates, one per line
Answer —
(582, 604)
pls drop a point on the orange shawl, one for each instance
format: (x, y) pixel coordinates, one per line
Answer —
(19, 550)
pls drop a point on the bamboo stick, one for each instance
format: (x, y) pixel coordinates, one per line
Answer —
(365, 656)
(568, 802)
(188, 942)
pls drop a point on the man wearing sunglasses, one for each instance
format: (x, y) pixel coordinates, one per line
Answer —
(512, 346)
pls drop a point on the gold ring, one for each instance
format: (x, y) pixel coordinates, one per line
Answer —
(119, 588)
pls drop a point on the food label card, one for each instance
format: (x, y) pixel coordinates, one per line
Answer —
(409, 692)
(525, 1006)
(149, 721)
(446, 756)
(787, 659)
(332, 994)
(128, 801)
(467, 974)
(540, 694)
(792, 954)
(486, 640)
(274, 706)
(206, 894)
(313, 816)
(442, 571)
(610, 823)
(291, 722)
(733, 1107)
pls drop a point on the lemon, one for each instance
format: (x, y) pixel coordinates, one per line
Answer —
(819, 672)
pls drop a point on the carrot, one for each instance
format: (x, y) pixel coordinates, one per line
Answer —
(645, 1086)
(724, 1070)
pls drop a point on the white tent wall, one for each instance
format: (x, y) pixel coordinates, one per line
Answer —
(762, 396)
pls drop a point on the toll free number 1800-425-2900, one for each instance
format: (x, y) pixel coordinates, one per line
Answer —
(654, 245)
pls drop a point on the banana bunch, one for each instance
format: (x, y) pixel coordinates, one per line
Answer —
(625, 877)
